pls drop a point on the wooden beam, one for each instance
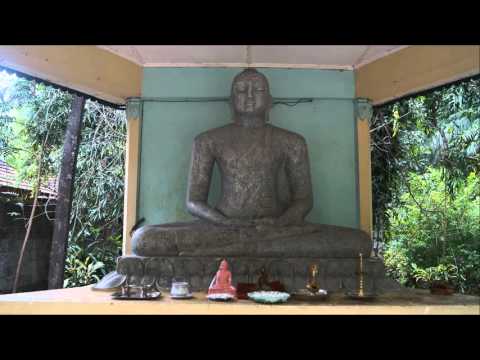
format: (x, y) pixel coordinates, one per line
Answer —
(414, 69)
(87, 69)
(363, 115)
(65, 192)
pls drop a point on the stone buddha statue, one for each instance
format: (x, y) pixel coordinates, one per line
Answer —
(266, 192)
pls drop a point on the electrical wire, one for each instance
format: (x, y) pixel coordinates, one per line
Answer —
(293, 103)
(276, 101)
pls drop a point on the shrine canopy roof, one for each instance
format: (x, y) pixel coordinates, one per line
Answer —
(114, 73)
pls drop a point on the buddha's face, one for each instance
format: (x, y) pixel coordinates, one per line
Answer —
(250, 94)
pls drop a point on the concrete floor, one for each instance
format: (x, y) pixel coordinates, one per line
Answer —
(84, 300)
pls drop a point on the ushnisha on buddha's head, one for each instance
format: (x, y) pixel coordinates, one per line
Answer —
(250, 98)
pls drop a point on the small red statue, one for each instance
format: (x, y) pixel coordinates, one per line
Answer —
(222, 282)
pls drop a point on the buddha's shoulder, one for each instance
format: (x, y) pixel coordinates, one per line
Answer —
(287, 135)
(213, 134)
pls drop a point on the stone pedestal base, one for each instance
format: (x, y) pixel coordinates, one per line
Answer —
(292, 272)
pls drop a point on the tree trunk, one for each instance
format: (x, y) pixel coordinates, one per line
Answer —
(65, 192)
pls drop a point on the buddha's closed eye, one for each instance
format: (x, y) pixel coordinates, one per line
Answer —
(241, 87)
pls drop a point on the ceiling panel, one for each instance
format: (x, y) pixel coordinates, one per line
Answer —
(129, 52)
(315, 56)
(192, 54)
(374, 52)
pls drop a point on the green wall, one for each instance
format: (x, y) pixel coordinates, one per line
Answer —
(168, 129)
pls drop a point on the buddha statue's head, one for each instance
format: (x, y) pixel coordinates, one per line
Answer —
(250, 96)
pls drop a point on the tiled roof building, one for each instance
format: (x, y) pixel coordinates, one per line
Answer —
(8, 178)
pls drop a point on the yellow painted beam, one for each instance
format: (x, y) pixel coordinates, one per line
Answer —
(132, 161)
(364, 175)
(414, 69)
(87, 69)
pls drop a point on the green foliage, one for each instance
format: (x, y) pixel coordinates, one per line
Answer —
(441, 272)
(84, 266)
(40, 114)
(33, 119)
(6, 107)
(425, 165)
(81, 267)
(97, 208)
(441, 129)
(434, 242)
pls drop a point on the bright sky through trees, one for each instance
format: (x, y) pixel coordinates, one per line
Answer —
(6, 82)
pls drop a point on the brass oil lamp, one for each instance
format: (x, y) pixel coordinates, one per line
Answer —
(360, 292)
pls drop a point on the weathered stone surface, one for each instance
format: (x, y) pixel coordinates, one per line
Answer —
(292, 272)
(307, 240)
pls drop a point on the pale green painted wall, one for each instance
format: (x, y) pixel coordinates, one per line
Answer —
(168, 129)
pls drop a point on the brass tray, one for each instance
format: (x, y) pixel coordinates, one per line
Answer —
(305, 295)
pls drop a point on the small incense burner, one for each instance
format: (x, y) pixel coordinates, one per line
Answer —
(312, 291)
